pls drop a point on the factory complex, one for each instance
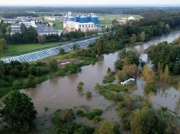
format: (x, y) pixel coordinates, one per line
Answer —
(41, 29)
(80, 22)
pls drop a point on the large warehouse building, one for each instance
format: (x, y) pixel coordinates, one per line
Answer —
(80, 22)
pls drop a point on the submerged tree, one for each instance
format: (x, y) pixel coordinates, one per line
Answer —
(80, 86)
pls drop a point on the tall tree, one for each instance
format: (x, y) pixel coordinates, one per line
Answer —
(105, 127)
(166, 73)
(2, 70)
(148, 74)
(143, 36)
(145, 121)
(41, 39)
(100, 46)
(3, 45)
(53, 65)
(133, 39)
(18, 111)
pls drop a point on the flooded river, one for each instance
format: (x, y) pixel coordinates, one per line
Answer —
(61, 92)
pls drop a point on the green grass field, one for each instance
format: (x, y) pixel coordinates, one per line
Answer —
(59, 25)
(106, 19)
(25, 48)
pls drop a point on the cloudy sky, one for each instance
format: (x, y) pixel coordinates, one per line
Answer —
(89, 2)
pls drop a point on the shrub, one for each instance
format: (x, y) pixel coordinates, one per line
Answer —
(80, 113)
(88, 94)
(150, 87)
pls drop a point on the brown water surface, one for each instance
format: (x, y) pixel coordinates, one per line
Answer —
(61, 92)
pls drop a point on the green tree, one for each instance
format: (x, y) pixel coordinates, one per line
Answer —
(80, 86)
(18, 111)
(41, 39)
(121, 76)
(2, 70)
(62, 51)
(143, 36)
(30, 82)
(53, 65)
(133, 39)
(145, 121)
(99, 46)
(9, 28)
(105, 127)
(3, 45)
(166, 72)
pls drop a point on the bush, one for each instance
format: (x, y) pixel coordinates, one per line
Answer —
(80, 86)
(62, 51)
(53, 66)
(150, 87)
(30, 82)
(16, 83)
(97, 119)
(66, 115)
(80, 113)
(88, 94)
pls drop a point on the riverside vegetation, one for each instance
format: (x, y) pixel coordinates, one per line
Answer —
(17, 75)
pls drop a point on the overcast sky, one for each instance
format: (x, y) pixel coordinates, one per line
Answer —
(89, 2)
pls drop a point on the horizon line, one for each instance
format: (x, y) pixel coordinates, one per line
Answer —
(97, 5)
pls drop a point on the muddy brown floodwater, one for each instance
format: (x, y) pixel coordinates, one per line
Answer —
(61, 92)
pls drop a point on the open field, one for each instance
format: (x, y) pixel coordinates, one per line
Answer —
(106, 19)
(25, 48)
(58, 25)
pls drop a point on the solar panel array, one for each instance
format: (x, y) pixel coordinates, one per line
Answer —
(48, 52)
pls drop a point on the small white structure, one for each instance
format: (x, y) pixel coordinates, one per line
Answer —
(50, 18)
(128, 81)
(131, 18)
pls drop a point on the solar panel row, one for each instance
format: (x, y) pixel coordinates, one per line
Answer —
(48, 52)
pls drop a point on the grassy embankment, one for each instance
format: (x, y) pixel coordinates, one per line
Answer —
(26, 48)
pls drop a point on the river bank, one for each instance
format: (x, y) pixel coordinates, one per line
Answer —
(61, 91)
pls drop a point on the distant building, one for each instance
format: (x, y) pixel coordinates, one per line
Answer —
(72, 26)
(41, 29)
(29, 23)
(80, 22)
(15, 28)
(44, 30)
(20, 19)
(122, 21)
(50, 18)
(131, 18)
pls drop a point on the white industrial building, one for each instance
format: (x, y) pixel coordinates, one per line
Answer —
(72, 26)
(82, 23)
